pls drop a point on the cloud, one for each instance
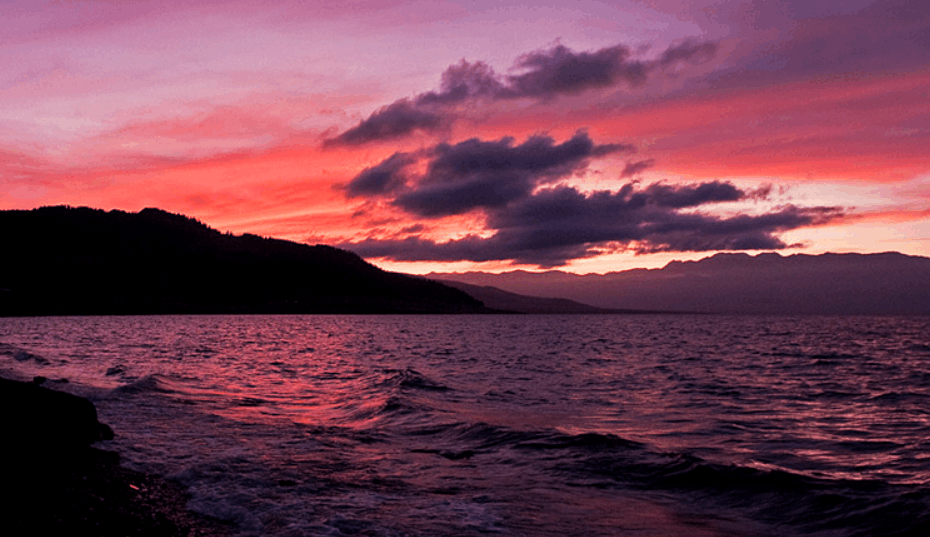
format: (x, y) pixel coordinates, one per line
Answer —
(541, 74)
(530, 217)
(553, 224)
(634, 167)
(689, 51)
(476, 174)
(557, 225)
(560, 71)
(395, 120)
(463, 81)
(381, 178)
(681, 196)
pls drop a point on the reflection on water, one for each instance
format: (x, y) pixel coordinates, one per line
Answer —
(384, 425)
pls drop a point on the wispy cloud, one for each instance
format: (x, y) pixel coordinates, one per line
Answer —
(542, 74)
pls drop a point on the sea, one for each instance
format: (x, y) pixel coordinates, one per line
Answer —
(537, 425)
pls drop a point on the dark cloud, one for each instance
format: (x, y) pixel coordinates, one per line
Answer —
(542, 74)
(476, 174)
(536, 220)
(463, 81)
(552, 226)
(653, 217)
(690, 52)
(560, 71)
(634, 167)
(381, 178)
(681, 196)
(396, 120)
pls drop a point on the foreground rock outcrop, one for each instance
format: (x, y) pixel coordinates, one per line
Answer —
(36, 419)
(52, 482)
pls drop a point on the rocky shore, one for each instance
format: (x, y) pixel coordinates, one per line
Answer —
(55, 483)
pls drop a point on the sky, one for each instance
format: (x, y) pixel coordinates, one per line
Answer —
(586, 136)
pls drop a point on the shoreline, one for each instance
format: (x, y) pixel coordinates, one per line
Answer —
(56, 483)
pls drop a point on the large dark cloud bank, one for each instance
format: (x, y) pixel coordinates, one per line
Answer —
(536, 218)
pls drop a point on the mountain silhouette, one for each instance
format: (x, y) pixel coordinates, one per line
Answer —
(504, 301)
(876, 284)
(80, 261)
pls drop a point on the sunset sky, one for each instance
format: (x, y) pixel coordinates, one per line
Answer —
(588, 136)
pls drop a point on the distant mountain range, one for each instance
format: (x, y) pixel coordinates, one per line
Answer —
(886, 283)
(78, 261)
(504, 301)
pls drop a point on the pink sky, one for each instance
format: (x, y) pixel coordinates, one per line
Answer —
(482, 135)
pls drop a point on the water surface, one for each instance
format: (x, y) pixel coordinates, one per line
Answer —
(512, 425)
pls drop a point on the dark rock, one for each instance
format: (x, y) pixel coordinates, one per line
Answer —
(34, 418)
(88, 493)
(53, 483)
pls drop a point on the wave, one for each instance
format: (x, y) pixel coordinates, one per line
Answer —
(386, 410)
(808, 503)
(793, 502)
(153, 383)
(250, 402)
(411, 379)
(116, 370)
(22, 355)
(397, 393)
(894, 398)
